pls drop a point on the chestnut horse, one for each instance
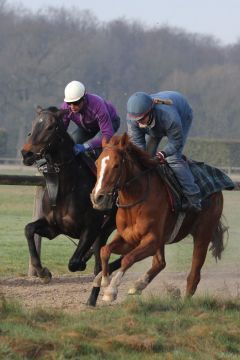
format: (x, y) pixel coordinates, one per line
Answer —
(67, 207)
(145, 220)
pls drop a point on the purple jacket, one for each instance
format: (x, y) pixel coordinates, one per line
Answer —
(96, 115)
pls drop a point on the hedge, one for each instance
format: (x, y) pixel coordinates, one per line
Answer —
(225, 153)
(3, 141)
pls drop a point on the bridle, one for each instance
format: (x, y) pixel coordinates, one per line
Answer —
(57, 135)
(54, 136)
(49, 168)
(118, 187)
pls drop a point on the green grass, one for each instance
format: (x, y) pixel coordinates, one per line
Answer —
(200, 329)
(16, 206)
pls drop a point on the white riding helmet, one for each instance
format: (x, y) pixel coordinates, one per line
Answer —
(74, 91)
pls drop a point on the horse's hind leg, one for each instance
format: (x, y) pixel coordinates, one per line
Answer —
(202, 238)
(158, 264)
(198, 259)
(204, 232)
(42, 228)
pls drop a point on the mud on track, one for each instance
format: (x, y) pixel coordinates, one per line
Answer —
(70, 293)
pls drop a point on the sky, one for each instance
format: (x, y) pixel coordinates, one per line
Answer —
(218, 18)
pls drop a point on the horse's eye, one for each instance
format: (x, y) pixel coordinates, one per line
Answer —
(115, 166)
(29, 134)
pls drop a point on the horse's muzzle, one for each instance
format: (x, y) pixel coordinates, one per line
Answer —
(102, 202)
(29, 157)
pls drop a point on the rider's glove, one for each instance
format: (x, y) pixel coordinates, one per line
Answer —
(80, 148)
(161, 156)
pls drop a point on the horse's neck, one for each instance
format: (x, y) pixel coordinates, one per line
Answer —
(73, 172)
(63, 160)
(62, 155)
(139, 181)
(135, 181)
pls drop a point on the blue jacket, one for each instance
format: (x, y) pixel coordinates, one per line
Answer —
(172, 121)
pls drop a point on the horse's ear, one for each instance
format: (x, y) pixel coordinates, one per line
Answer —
(124, 140)
(39, 109)
(61, 113)
(104, 141)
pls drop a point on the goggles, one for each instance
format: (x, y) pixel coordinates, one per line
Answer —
(78, 102)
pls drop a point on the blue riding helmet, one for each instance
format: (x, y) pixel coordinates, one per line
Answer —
(139, 104)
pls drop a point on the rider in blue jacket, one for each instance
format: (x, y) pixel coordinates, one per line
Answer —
(152, 117)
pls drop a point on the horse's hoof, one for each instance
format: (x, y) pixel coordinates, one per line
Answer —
(45, 276)
(134, 291)
(105, 281)
(76, 266)
(91, 303)
(109, 295)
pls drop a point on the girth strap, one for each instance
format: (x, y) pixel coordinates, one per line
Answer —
(180, 218)
(52, 183)
(51, 175)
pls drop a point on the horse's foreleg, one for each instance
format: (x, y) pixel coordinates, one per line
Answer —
(158, 264)
(106, 230)
(143, 250)
(87, 239)
(101, 240)
(42, 228)
(117, 246)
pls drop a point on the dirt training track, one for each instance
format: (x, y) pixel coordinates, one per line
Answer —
(70, 293)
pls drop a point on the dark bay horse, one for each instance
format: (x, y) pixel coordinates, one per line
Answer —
(70, 211)
(145, 220)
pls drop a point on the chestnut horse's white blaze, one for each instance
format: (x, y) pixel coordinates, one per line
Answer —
(101, 175)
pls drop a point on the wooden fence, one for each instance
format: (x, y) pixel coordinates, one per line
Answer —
(39, 182)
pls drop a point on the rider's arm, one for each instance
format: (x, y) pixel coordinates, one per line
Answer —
(174, 133)
(105, 125)
(66, 118)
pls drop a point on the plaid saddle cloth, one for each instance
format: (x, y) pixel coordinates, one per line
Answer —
(209, 179)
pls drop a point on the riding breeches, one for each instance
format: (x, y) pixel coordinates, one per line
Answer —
(184, 175)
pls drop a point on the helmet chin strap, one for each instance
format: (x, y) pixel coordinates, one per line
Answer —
(151, 122)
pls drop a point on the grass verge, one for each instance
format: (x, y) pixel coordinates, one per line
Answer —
(203, 328)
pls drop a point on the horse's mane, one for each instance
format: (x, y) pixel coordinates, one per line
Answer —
(141, 157)
(52, 109)
(135, 154)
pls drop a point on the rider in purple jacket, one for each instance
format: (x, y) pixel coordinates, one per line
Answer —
(94, 117)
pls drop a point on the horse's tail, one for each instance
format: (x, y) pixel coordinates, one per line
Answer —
(217, 246)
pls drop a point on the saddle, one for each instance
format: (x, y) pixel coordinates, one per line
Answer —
(208, 178)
